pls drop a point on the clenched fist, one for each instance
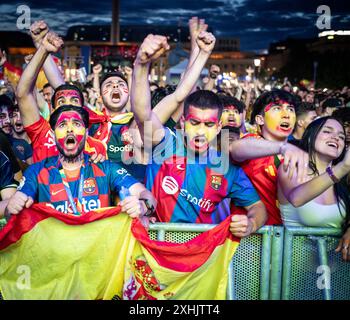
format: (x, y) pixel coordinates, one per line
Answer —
(97, 69)
(206, 41)
(52, 42)
(152, 48)
(17, 203)
(38, 31)
(241, 226)
(133, 206)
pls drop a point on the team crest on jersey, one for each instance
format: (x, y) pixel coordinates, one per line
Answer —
(89, 186)
(216, 182)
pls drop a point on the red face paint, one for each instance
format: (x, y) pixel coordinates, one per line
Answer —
(70, 125)
(277, 103)
(65, 96)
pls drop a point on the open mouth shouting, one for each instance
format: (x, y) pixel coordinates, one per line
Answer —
(115, 96)
(285, 127)
(70, 142)
(200, 143)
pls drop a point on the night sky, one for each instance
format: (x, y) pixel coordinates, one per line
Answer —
(256, 23)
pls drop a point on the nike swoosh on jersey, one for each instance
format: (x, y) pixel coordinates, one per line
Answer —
(55, 192)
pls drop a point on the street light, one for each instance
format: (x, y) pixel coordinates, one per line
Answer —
(257, 66)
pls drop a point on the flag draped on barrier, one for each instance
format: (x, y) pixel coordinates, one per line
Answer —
(45, 254)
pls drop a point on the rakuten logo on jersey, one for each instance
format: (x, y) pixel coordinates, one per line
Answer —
(170, 185)
(65, 207)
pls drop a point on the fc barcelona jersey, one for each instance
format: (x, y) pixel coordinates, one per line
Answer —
(188, 188)
(42, 181)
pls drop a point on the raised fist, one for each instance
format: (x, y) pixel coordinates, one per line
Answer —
(38, 30)
(27, 58)
(97, 69)
(128, 71)
(152, 48)
(52, 42)
(196, 26)
(206, 41)
(3, 57)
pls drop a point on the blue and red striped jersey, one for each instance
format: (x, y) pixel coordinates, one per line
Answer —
(188, 188)
(42, 181)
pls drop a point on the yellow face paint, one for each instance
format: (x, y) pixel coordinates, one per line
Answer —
(201, 128)
(69, 125)
(231, 117)
(279, 120)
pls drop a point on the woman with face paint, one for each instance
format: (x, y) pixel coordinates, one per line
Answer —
(320, 199)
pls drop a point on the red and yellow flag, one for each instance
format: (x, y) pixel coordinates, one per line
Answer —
(45, 254)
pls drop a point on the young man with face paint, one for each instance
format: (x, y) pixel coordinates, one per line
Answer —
(187, 184)
(69, 182)
(274, 113)
(36, 126)
(233, 113)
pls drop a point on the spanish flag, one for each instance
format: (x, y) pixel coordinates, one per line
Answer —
(104, 254)
(12, 73)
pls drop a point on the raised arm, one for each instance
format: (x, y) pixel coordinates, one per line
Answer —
(151, 49)
(38, 30)
(25, 89)
(167, 106)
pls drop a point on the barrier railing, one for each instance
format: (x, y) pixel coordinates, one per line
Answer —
(276, 262)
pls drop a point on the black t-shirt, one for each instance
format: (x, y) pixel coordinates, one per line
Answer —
(5, 147)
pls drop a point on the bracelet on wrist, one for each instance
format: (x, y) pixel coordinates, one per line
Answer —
(331, 175)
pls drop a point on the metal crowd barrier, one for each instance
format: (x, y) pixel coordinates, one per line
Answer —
(276, 262)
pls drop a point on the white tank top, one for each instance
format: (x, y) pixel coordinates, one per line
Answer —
(312, 214)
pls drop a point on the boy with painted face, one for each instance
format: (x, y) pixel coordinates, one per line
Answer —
(37, 127)
(233, 113)
(69, 182)
(274, 112)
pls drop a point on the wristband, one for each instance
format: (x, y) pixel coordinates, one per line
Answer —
(149, 206)
(331, 175)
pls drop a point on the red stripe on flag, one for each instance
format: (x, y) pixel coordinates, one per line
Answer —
(184, 257)
(22, 223)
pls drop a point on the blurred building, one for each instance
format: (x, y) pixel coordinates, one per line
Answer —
(328, 41)
(17, 45)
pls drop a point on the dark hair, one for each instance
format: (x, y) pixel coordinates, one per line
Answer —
(6, 101)
(68, 107)
(160, 93)
(112, 74)
(271, 96)
(304, 108)
(66, 86)
(231, 101)
(342, 114)
(203, 99)
(47, 85)
(307, 143)
(6, 148)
